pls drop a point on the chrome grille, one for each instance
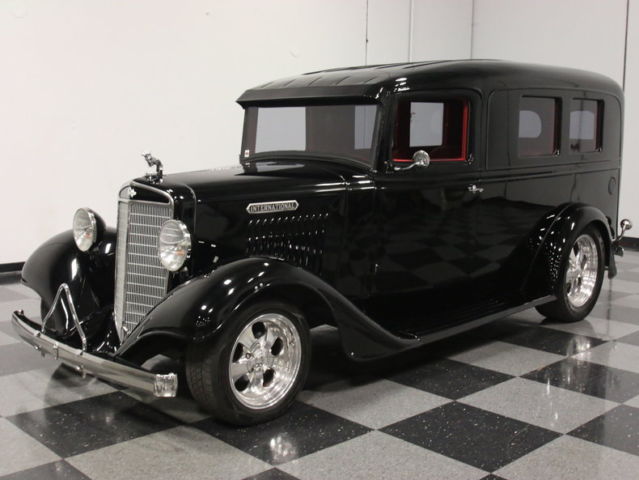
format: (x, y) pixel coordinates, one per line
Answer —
(141, 281)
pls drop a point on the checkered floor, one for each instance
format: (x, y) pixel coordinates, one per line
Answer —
(518, 399)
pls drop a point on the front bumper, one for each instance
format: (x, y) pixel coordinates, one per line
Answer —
(159, 385)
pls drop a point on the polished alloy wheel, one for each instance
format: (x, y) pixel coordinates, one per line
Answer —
(581, 276)
(265, 361)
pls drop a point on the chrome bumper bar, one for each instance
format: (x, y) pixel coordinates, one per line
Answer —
(159, 385)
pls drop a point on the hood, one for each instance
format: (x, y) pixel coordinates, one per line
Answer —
(214, 206)
(268, 177)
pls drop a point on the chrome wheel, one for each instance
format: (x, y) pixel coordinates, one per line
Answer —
(583, 267)
(265, 361)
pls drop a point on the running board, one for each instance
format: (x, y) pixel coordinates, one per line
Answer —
(407, 340)
(429, 337)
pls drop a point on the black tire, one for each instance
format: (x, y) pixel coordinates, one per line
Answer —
(562, 309)
(208, 363)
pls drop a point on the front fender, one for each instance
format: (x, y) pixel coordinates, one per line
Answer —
(560, 236)
(197, 310)
(90, 276)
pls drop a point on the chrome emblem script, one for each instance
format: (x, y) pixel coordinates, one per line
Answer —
(272, 207)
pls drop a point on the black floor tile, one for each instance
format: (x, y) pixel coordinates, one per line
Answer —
(301, 431)
(552, 341)
(633, 339)
(449, 378)
(272, 474)
(618, 428)
(60, 470)
(479, 438)
(616, 312)
(589, 378)
(19, 357)
(78, 427)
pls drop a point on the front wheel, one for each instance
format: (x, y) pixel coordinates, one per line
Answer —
(582, 274)
(252, 372)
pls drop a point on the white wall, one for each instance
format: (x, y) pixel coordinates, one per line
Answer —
(629, 205)
(87, 85)
(441, 29)
(587, 34)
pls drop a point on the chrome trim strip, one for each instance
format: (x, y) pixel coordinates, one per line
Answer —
(165, 194)
(121, 252)
(159, 385)
(74, 315)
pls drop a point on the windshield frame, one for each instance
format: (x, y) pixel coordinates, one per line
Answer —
(337, 157)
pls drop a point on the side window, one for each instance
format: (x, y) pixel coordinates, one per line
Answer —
(439, 127)
(586, 122)
(539, 131)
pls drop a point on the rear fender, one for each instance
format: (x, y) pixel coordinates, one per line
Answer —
(89, 275)
(197, 310)
(560, 236)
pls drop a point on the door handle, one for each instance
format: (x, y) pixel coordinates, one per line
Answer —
(475, 189)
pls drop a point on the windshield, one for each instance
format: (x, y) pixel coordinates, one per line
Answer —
(337, 130)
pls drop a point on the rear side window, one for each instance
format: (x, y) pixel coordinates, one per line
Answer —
(440, 127)
(539, 132)
(586, 122)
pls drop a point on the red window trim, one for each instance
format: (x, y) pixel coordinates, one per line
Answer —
(464, 140)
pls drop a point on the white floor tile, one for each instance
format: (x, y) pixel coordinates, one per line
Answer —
(507, 358)
(374, 404)
(613, 354)
(596, 327)
(569, 458)
(21, 451)
(178, 453)
(7, 339)
(35, 389)
(377, 455)
(543, 405)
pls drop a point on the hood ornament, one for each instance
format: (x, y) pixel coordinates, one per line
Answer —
(154, 162)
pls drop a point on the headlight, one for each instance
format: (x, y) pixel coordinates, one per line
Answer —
(85, 229)
(174, 245)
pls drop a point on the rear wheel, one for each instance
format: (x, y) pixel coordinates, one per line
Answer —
(252, 372)
(581, 278)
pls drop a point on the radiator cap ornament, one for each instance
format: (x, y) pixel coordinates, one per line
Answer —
(154, 162)
(272, 207)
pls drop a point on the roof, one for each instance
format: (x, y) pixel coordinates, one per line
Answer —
(372, 81)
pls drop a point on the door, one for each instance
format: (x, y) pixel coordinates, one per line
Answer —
(427, 215)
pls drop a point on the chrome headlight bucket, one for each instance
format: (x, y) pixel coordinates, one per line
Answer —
(174, 245)
(85, 228)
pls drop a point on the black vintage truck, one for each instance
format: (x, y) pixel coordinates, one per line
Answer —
(400, 203)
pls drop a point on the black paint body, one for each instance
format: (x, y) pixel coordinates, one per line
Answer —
(395, 259)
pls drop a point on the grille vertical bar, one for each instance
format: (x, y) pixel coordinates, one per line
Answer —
(141, 281)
